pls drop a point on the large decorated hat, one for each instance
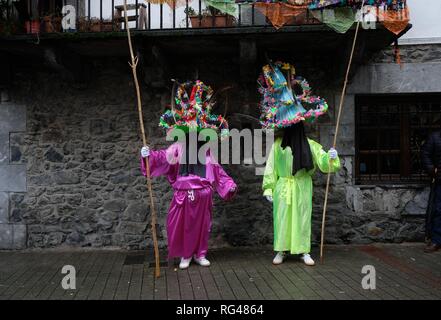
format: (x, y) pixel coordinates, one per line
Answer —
(192, 103)
(286, 102)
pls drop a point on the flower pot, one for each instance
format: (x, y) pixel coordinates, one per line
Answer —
(8, 28)
(48, 27)
(32, 26)
(218, 21)
(83, 24)
(94, 26)
(101, 26)
(107, 26)
(56, 22)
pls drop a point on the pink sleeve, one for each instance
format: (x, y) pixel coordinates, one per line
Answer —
(223, 183)
(157, 162)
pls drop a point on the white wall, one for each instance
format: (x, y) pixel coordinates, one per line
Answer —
(425, 16)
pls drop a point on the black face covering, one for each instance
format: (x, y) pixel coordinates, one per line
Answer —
(295, 138)
(198, 168)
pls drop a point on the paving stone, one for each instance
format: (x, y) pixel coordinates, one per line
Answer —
(237, 273)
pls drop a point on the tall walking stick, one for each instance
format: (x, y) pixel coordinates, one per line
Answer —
(133, 64)
(340, 108)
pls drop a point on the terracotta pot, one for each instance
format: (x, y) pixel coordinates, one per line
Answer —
(218, 21)
(8, 28)
(56, 22)
(101, 26)
(83, 25)
(95, 26)
(32, 26)
(48, 27)
(107, 26)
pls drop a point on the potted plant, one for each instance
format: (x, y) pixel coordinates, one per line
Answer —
(210, 17)
(107, 25)
(56, 21)
(46, 23)
(8, 27)
(97, 25)
(8, 18)
(83, 24)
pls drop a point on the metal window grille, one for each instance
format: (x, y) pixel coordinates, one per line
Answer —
(390, 131)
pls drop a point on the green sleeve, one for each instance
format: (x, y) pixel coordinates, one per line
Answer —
(270, 174)
(321, 158)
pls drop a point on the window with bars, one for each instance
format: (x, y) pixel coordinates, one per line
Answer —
(390, 130)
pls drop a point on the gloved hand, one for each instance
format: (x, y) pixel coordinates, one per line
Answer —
(145, 151)
(269, 198)
(333, 154)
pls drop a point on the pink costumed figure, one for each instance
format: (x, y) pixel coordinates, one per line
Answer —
(189, 215)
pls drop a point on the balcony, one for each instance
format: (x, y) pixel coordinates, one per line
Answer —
(107, 16)
(29, 17)
(181, 28)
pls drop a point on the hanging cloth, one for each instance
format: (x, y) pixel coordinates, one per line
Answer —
(279, 13)
(394, 20)
(224, 6)
(339, 19)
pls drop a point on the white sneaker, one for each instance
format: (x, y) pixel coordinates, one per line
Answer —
(278, 259)
(185, 263)
(202, 261)
(307, 259)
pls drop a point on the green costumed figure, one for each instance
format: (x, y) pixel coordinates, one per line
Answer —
(293, 158)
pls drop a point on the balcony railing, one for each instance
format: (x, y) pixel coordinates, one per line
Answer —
(34, 16)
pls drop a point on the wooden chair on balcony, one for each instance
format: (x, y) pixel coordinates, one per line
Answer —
(141, 17)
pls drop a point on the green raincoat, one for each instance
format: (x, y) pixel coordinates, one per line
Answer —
(292, 195)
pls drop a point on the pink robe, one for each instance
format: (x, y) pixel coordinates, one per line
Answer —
(189, 215)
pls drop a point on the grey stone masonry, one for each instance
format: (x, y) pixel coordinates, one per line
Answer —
(12, 176)
(80, 152)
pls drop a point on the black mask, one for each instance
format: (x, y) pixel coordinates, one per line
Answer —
(295, 138)
(198, 168)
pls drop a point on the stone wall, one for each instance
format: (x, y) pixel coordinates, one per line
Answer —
(381, 213)
(83, 185)
(12, 175)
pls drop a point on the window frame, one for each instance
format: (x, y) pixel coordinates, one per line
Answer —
(404, 103)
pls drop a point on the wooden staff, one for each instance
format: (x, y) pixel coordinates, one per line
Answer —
(340, 108)
(133, 64)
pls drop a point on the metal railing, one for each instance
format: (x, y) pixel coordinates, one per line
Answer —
(108, 16)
